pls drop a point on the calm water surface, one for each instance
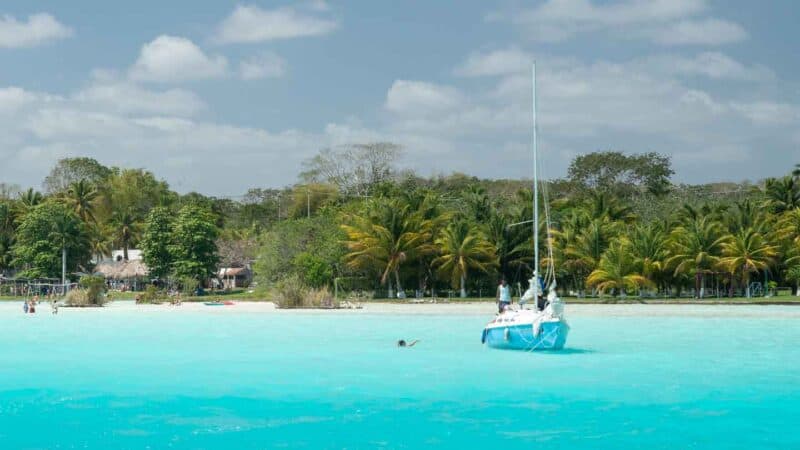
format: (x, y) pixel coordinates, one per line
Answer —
(204, 379)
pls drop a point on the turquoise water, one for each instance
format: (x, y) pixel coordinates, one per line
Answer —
(209, 379)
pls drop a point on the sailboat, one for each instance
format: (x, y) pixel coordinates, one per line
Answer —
(544, 327)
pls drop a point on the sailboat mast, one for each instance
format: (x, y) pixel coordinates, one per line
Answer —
(535, 189)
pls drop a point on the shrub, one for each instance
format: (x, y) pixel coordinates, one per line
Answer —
(189, 285)
(90, 293)
(291, 292)
(151, 295)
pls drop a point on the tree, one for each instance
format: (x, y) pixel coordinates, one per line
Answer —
(695, 250)
(648, 244)
(384, 237)
(81, 196)
(72, 170)
(617, 270)
(50, 241)
(155, 242)
(620, 174)
(193, 244)
(29, 199)
(747, 252)
(462, 247)
(783, 194)
(355, 169)
(7, 232)
(309, 249)
(125, 229)
(793, 274)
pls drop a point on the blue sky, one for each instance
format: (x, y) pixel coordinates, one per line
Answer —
(221, 96)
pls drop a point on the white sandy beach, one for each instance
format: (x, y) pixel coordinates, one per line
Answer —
(478, 309)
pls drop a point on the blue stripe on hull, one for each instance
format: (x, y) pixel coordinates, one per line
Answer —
(552, 336)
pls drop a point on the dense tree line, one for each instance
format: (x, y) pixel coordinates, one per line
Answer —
(618, 225)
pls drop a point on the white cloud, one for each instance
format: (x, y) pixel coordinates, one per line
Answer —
(769, 113)
(667, 22)
(496, 62)
(265, 65)
(249, 24)
(37, 30)
(420, 98)
(714, 65)
(171, 58)
(126, 98)
(701, 32)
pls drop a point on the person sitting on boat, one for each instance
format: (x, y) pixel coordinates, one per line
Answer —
(503, 296)
(403, 343)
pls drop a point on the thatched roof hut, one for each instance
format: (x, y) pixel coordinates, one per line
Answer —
(122, 270)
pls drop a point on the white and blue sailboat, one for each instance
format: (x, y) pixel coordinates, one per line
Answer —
(544, 327)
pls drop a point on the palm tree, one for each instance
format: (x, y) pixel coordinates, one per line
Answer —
(29, 199)
(649, 248)
(782, 194)
(66, 230)
(582, 255)
(695, 249)
(617, 270)
(125, 230)
(386, 236)
(603, 206)
(793, 274)
(462, 247)
(747, 252)
(81, 196)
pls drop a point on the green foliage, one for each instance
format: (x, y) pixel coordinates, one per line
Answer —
(151, 295)
(310, 249)
(193, 243)
(155, 242)
(620, 174)
(189, 285)
(43, 233)
(68, 171)
(90, 293)
(463, 248)
(95, 288)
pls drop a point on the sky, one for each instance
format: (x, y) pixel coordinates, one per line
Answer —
(218, 97)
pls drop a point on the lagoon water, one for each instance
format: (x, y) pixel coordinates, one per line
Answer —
(213, 378)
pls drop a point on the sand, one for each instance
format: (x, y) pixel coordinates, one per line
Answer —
(477, 309)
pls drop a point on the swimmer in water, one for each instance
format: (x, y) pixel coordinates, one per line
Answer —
(403, 343)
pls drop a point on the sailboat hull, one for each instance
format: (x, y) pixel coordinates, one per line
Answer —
(551, 336)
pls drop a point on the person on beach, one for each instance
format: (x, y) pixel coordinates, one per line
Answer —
(54, 306)
(503, 296)
(32, 307)
(403, 343)
(25, 307)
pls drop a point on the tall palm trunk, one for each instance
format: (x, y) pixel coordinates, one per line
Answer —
(400, 292)
(463, 286)
(63, 267)
(746, 279)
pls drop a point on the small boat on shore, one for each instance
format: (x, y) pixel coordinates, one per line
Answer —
(227, 303)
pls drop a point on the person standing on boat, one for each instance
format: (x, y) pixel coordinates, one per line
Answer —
(503, 296)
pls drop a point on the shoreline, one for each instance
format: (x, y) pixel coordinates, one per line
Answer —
(477, 309)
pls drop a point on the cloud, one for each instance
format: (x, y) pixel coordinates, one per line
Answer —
(265, 65)
(496, 62)
(171, 58)
(713, 65)
(128, 98)
(666, 22)
(701, 32)
(420, 98)
(37, 30)
(251, 24)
